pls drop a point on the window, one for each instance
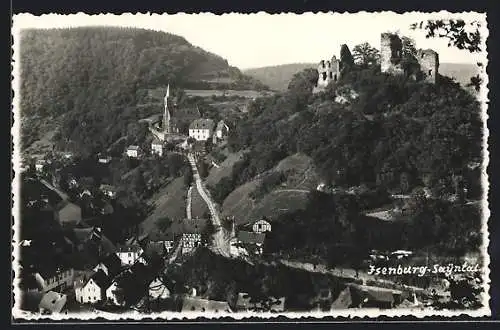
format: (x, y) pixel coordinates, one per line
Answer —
(129, 255)
(324, 75)
(430, 73)
(331, 75)
(335, 77)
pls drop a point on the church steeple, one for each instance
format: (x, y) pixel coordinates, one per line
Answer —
(166, 115)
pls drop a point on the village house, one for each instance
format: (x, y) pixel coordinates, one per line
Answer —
(244, 303)
(129, 254)
(249, 242)
(40, 165)
(157, 147)
(108, 190)
(54, 280)
(221, 131)
(363, 296)
(199, 148)
(104, 159)
(66, 212)
(72, 183)
(201, 129)
(191, 234)
(52, 302)
(190, 241)
(110, 265)
(192, 304)
(133, 151)
(167, 240)
(158, 289)
(93, 290)
(261, 226)
(43, 302)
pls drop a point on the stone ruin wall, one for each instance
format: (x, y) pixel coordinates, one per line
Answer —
(328, 71)
(429, 64)
(391, 52)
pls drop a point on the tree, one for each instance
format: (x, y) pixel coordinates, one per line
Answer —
(138, 183)
(365, 55)
(163, 223)
(460, 34)
(346, 58)
(203, 169)
(188, 176)
(409, 60)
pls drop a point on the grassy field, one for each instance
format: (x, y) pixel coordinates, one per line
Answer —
(291, 195)
(198, 205)
(229, 93)
(224, 169)
(170, 202)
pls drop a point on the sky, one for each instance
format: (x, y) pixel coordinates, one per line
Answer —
(261, 39)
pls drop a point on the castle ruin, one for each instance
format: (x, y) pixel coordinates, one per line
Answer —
(327, 71)
(391, 59)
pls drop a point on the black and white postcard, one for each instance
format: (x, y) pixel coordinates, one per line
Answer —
(260, 165)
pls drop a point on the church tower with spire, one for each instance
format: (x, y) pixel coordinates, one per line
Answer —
(167, 116)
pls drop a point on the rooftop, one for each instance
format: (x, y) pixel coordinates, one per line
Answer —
(129, 248)
(251, 237)
(191, 304)
(202, 123)
(133, 147)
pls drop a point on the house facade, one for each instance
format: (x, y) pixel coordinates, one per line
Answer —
(190, 241)
(93, 290)
(157, 148)
(167, 240)
(158, 290)
(201, 129)
(261, 226)
(221, 131)
(52, 302)
(250, 242)
(128, 255)
(108, 190)
(133, 151)
(55, 281)
(40, 165)
(104, 159)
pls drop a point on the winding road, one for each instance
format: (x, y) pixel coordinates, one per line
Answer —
(188, 203)
(221, 244)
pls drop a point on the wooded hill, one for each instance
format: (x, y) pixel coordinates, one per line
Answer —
(383, 133)
(91, 78)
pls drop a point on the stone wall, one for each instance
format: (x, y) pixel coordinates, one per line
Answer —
(391, 52)
(429, 64)
(327, 71)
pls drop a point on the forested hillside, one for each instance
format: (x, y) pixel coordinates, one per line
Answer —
(376, 131)
(278, 77)
(394, 126)
(91, 78)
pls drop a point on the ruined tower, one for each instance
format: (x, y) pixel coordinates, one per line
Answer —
(429, 64)
(328, 71)
(391, 53)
